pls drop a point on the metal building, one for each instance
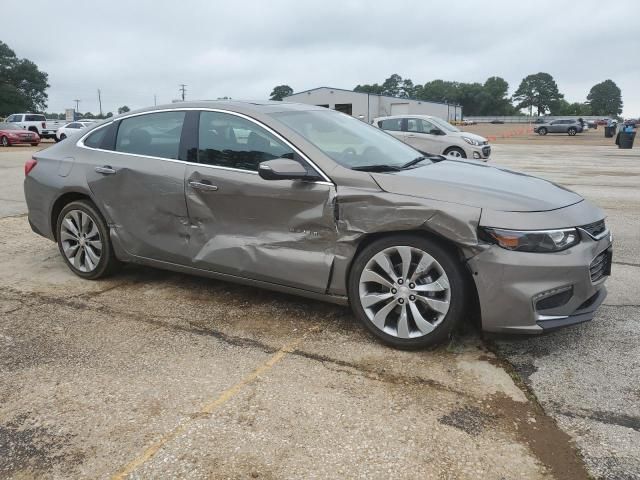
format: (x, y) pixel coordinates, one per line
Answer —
(368, 106)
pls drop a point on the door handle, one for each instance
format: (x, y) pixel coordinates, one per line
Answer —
(203, 186)
(106, 170)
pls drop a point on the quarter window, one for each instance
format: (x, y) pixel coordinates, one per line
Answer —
(391, 124)
(95, 139)
(230, 141)
(153, 134)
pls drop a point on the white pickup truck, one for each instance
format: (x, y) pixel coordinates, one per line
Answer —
(34, 122)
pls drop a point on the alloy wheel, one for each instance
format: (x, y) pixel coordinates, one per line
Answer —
(455, 154)
(80, 239)
(404, 292)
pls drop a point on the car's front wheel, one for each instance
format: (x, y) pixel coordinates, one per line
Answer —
(408, 290)
(572, 131)
(455, 152)
(83, 240)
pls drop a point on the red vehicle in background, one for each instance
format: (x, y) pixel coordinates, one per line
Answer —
(14, 135)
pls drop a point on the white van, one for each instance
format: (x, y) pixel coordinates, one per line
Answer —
(434, 135)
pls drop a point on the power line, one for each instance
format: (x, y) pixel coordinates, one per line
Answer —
(183, 90)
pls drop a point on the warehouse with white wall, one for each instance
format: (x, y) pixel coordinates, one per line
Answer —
(368, 106)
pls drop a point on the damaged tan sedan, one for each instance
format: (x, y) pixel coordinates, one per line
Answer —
(309, 201)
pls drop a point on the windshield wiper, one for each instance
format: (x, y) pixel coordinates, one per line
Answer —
(415, 161)
(376, 168)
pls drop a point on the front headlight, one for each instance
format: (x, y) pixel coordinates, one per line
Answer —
(536, 241)
(472, 141)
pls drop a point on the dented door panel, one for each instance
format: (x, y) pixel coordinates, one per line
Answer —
(144, 202)
(276, 231)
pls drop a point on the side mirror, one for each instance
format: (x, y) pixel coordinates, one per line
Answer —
(436, 131)
(282, 169)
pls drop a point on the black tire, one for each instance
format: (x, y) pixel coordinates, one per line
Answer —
(572, 131)
(447, 259)
(62, 136)
(461, 153)
(5, 141)
(108, 262)
(542, 131)
(56, 139)
(35, 144)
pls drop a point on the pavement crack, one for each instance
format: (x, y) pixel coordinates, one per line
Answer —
(602, 416)
(628, 264)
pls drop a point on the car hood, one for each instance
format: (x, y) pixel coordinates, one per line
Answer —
(479, 185)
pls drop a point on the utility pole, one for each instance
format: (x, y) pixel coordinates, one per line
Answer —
(100, 102)
(77, 103)
(183, 90)
(155, 100)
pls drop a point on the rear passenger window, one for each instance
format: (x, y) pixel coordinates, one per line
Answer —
(95, 139)
(391, 124)
(35, 118)
(230, 141)
(152, 134)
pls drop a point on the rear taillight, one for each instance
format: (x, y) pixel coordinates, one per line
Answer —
(29, 165)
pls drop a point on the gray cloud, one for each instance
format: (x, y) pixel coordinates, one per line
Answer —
(132, 50)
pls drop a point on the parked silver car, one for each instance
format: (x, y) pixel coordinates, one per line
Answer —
(309, 201)
(570, 127)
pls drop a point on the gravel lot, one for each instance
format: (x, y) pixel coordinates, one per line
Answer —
(154, 374)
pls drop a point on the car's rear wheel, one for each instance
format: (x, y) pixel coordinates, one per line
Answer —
(455, 152)
(83, 240)
(409, 291)
(5, 141)
(542, 131)
(572, 131)
(62, 136)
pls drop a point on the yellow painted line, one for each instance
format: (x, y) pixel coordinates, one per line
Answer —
(208, 408)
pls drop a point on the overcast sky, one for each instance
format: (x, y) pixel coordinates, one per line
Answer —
(134, 49)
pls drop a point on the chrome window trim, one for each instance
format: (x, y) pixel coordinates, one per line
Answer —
(80, 142)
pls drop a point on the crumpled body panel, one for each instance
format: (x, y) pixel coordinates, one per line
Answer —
(364, 211)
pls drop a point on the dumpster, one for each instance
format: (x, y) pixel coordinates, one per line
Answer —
(625, 139)
(609, 132)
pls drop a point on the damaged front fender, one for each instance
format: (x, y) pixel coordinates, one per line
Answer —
(361, 212)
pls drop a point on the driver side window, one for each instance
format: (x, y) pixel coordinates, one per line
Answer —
(227, 140)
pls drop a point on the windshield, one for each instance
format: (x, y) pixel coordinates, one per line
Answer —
(444, 125)
(10, 126)
(349, 141)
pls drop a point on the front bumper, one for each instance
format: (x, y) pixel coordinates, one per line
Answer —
(479, 153)
(512, 286)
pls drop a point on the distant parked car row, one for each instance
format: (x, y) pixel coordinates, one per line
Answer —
(30, 128)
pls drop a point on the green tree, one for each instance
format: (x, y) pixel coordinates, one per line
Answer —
(22, 85)
(366, 88)
(605, 98)
(537, 90)
(392, 86)
(562, 107)
(440, 91)
(280, 92)
(109, 115)
(495, 97)
(124, 109)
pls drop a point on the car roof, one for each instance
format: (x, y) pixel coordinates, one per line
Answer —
(240, 106)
